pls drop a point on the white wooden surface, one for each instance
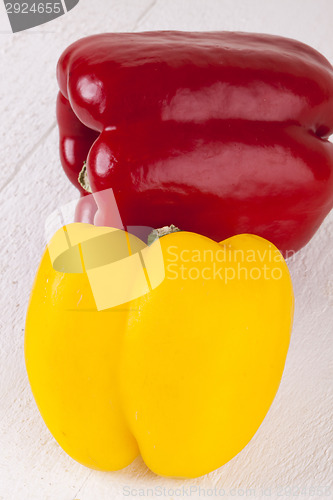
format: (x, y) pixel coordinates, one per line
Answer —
(293, 447)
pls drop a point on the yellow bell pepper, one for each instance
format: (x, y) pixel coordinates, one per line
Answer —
(183, 374)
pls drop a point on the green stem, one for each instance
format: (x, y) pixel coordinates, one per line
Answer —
(162, 231)
(83, 178)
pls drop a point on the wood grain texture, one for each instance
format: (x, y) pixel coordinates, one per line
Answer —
(293, 447)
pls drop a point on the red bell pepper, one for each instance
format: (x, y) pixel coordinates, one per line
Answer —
(218, 133)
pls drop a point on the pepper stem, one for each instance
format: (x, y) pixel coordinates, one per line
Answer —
(162, 231)
(83, 178)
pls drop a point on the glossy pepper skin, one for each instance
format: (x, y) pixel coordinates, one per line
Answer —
(183, 374)
(219, 133)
